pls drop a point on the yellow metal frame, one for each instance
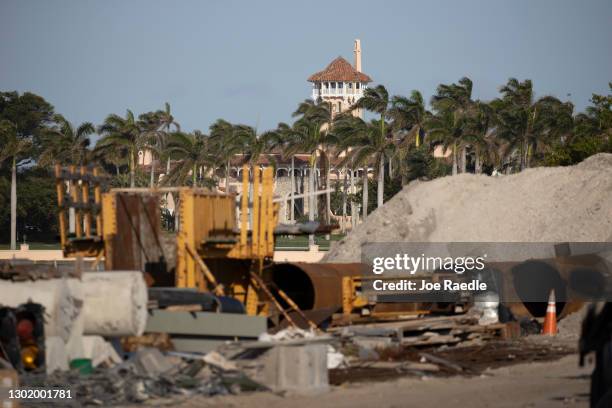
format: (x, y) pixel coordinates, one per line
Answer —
(208, 233)
(353, 300)
(81, 180)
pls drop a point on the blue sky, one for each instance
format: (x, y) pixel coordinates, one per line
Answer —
(247, 61)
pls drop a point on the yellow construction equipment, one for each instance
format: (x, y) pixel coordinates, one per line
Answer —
(216, 251)
(215, 254)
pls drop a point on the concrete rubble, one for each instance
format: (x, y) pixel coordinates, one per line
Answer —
(147, 375)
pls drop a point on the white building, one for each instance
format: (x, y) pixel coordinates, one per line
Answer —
(341, 84)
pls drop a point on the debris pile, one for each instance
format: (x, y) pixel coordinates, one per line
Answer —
(545, 204)
(472, 360)
(427, 332)
(147, 375)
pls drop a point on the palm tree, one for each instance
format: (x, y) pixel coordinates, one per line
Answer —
(167, 122)
(156, 128)
(253, 145)
(123, 134)
(225, 143)
(312, 134)
(443, 129)
(596, 121)
(14, 149)
(303, 137)
(65, 143)
(479, 134)
(193, 152)
(408, 116)
(524, 122)
(377, 100)
(278, 140)
(456, 98)
(367, 144)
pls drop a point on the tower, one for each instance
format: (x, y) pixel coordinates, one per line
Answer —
(340, 83)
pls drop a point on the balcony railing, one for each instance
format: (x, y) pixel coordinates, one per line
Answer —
(316, 93)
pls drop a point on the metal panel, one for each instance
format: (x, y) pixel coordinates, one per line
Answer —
(196, 345)
(205, 324)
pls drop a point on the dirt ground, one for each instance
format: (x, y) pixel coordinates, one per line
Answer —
(560, 383)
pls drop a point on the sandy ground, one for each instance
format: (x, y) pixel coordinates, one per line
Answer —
(555, 384)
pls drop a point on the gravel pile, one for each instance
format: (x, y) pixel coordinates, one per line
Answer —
(545, 204)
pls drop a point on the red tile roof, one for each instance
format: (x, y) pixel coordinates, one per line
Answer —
(339, 70)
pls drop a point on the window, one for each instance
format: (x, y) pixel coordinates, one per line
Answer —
(340, 85)
(357, 85)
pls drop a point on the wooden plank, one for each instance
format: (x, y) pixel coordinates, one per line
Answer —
(429, 340)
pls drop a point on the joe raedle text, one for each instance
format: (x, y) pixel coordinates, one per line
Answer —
(425, 285)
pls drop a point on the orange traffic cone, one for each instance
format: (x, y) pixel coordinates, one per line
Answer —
(550, 321)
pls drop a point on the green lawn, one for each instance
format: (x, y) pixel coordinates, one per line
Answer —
(36, 245)
(300, 242)
(287, 243)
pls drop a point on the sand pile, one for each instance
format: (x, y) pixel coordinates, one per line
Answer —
(546, 204)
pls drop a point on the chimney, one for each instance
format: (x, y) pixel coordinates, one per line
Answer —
(357, 51)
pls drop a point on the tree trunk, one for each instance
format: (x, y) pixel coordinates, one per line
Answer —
(403, 167)
(194, 172)
(132, 170)
(344, 188)
(14, 205)
(328, 194)
(463, 159)
(152, 181)
(381, 182)
(352, 191)
(227, 169)
(477, 164)
(364, 194)
(177, 213)
(292, 213)
(454, 159)
(528, 157)
(312, 199)
(523, 153)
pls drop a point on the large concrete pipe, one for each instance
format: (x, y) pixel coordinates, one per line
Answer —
(115, 303)
(62, 308)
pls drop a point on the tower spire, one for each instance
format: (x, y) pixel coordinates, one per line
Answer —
(357, 52)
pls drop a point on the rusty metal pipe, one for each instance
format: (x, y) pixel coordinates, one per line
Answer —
(314, 285)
